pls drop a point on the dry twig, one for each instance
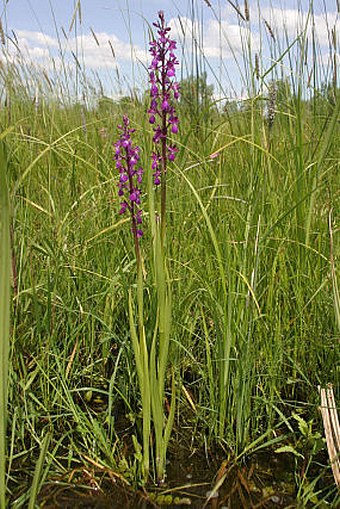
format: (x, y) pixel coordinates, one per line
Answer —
(332, 429)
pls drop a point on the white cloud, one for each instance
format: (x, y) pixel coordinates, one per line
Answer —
(227, 38)
(216, 38)
(183, 29)
(103, 52)
(29, 37)
(293, 22)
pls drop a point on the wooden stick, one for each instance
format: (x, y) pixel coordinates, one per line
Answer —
(334, 416)
(327, 417)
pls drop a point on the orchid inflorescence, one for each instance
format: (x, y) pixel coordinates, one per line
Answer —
(163, 89)
(127, 158)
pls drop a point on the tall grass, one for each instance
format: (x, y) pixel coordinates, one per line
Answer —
(251, 266)
(5, 272)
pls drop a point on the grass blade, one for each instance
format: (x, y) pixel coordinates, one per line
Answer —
(4, 317)
(38, 471)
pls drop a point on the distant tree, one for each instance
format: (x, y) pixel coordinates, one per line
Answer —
(325, 98)
(197, 97)
(195, 90)
(230, 107)
(106, 106)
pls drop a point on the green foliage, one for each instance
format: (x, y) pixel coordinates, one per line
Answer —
(307, 444)
(197, 104)
(196, 94)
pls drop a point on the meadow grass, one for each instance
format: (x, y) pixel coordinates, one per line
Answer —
(252, 260)
(4, 315)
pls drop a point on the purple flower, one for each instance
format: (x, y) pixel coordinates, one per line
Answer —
(127, 157)
(164, 90)
(155, 165)
(158, 134)
(165, 105)
(154, 89)
(123, 207)
(172, 153)
(139, 217)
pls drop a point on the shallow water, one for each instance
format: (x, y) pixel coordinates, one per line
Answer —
(265, 481)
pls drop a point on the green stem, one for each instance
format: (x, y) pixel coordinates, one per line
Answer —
(145, 385)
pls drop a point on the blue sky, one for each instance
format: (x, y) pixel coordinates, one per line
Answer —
(111, 36)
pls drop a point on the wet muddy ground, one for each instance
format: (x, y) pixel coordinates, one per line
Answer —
(196, 477)
(194, 480)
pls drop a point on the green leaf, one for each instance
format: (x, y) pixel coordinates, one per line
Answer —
(304, 427)
(290, 449)
(38, 472)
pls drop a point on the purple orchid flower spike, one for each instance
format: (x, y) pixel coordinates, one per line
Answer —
(163, 91)
(131, 175)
